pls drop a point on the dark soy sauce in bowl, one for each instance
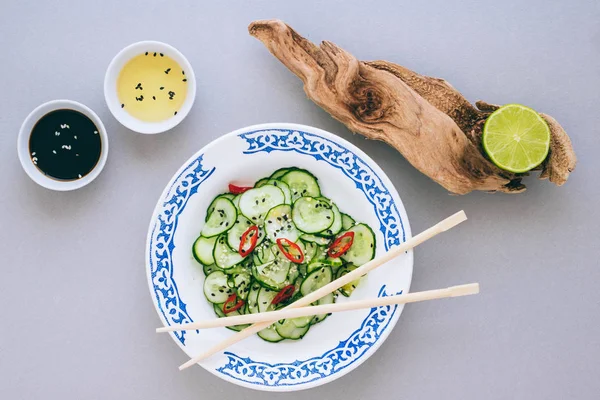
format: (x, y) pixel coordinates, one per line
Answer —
(65, 145)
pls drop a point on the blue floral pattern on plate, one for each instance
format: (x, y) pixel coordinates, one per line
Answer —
(173, 309)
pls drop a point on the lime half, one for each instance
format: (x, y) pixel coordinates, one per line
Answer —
(516, 138)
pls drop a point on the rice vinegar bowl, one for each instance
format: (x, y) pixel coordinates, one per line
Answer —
(149, 87)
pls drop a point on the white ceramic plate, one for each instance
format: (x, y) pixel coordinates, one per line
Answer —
(346, 175)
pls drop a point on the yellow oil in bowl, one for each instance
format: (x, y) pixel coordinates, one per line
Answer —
(152, 87)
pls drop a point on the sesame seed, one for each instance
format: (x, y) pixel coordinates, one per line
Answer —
(175, 113)
(162, 55)
(122, 105)
(153, 97)
(146, 53)
(184, 80)
(54, 151)
(154, 54)
(162, 88)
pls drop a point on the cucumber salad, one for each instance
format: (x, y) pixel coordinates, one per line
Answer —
(264, 247)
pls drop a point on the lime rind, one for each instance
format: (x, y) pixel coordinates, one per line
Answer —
(516, 138)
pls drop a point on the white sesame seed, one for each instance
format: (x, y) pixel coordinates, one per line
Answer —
(96, 132)
(75, 137)
(79, 175)
(56, 133)
(33, 154)
(54, 151)
(66, 147)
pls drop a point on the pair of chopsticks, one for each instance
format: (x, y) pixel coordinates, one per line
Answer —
(302, 307)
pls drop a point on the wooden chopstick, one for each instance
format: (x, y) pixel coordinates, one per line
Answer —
(452, 291)
(438, 228)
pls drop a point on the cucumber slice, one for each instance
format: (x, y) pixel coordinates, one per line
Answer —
(312, 215)
(278, 224)
(221, 218)
(215, 287)
(348, 288)
(329, 299)
(270, 335)
(241, 225)
(255, 203)
(310, 251)
(209, 269)
(225, 258)
(273, 274)
(261, 182)
(316, 280)
(301, 322)
(280, 172)
(203, 250)
(219, 311)
(241, 283)
(211, 206)
(252, 300)
(301, 183)
(363, 246)
(287, 329)
(319, 240)
(264, 299)
(336, 226)
(236, 202)
(287, 194)
(347, 222)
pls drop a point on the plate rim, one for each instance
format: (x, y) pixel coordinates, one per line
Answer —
(357, 151)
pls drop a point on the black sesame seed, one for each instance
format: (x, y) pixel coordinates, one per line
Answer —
(182, 72)
(122, 105)
(264, 302)
(212, 294)
(270, 222)
(154, 98)
(167, 71)
(221, 290)
(278, 218)
(289, 226)
(263, 200)
(154, 54)
(316, 276)
(175, 113)
(254, 218)
(256, 202)
(371, 245)
(162, 88)
(328, 217)
(295, 193)
(162, 55)
(184, 80)
(146, 53)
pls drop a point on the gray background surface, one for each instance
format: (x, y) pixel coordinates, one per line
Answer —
(76, 317)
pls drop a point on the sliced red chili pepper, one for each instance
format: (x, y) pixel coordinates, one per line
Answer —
(250, 235)
(284, 294)
(235, 189)
(231, 304)
(341, 245)
(290, 250)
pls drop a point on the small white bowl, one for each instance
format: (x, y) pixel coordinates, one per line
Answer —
(23, 145)
(112, 75)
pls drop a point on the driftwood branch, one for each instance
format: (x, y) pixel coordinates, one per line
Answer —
(434, 127)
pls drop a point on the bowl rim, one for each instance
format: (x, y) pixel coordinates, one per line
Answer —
(384, 178)
(110, 87)
(23, 145)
